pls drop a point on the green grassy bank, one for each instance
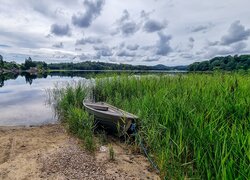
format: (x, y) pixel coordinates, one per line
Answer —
(69, 110)
(194, 125)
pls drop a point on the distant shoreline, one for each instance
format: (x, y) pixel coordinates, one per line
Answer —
(67, 70)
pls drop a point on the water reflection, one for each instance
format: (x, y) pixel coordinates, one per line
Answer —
(5, 77)
(30, 77)
(22, 98)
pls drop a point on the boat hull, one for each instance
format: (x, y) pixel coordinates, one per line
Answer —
(113, 119)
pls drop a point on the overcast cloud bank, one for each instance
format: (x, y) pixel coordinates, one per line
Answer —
(169, 32)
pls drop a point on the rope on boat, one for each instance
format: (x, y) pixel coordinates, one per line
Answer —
(133, 128)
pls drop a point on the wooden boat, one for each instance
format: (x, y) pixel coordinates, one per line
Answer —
(110, 117)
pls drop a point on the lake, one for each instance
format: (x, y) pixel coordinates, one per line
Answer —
(23, 97)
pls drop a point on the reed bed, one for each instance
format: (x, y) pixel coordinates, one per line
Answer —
(194, 125)
(68, 105)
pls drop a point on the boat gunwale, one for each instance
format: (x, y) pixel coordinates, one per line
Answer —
(125, 114)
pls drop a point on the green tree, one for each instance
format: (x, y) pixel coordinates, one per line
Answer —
(228, 63)
(29, 63)
(1, 61)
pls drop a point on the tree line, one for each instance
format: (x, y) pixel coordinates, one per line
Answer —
(90, 65)
(29, 64)
(7, 65)
(227, 63)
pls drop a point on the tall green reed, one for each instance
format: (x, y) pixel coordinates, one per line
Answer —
(195, 125)
(69, 109)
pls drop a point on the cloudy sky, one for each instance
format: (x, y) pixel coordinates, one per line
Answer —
(169, 32)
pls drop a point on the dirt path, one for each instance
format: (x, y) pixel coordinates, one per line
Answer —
(48, 152)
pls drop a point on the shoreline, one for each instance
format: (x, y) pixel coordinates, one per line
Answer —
(18, 127)
(91, 70)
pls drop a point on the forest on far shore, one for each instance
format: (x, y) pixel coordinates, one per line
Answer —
(29, 64)
(226, 63)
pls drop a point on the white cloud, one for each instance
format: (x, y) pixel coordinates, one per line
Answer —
(61, 30)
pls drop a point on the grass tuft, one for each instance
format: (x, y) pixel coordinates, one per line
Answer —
(111, 153)
(69, 109)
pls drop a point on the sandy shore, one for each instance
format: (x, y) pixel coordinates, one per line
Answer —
(48, 152)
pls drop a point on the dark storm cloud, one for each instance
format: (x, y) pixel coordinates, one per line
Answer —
(103, 51)
(191, 39)
(132, 47)
(187, 55)
(218, 52)
(213, 43)
(88, 40)
(121, 45)
(129, 28)
(239, 47)
(162, 46)
(126, 26)
(48, 36)
(4, 46)
(97, 48)
(147, 48)
(124, 53)
(84, 57)
(62, 56)
(93, 9)
(235, 48)
(153, 26)
(236, 33)
(201, 28)
(60, 30)
(58, 45)
(125, 16)
(191, 42)
(145, 14)
(78, 49)
(151, 59)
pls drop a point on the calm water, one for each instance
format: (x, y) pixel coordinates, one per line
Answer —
(23, 100)
(23, 97)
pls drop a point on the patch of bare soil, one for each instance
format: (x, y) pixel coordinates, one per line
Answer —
(48, 152)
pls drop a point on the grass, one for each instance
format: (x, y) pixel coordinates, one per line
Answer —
(195, 125)
(111, 153)
(69, 109)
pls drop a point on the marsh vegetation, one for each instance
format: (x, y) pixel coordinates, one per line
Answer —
(194, 126)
